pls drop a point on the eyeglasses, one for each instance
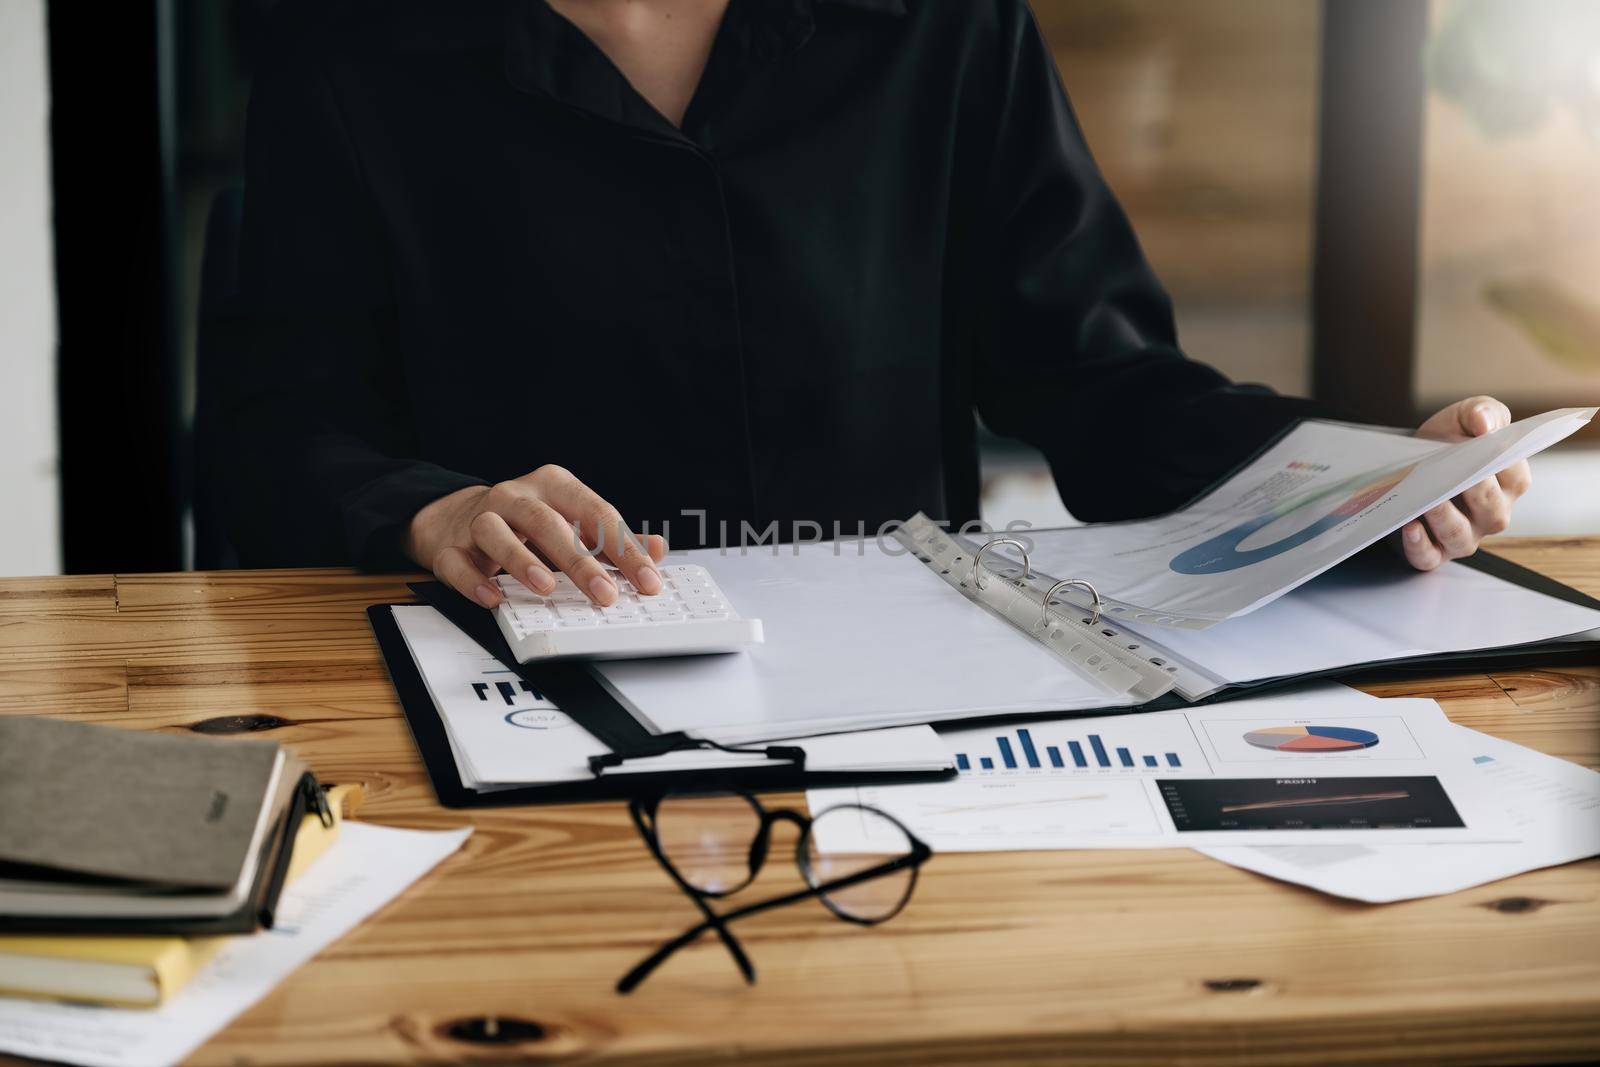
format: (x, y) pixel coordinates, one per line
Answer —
(713, 845)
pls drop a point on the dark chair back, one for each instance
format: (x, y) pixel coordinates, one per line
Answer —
(219, 333)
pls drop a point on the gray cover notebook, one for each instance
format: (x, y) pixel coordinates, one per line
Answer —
(100, 802)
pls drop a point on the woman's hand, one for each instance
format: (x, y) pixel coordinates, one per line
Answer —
(525, 527)
(1453, 529)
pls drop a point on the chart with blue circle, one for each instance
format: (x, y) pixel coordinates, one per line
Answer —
(541, 718)
(1223, 553)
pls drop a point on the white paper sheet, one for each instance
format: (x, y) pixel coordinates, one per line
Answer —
(1553, 805)
(504, 733)
(857, 636)
(1316, 497)
(367, 867)
(1367, 610)
(1189, 778)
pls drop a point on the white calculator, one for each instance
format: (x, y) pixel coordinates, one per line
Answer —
(689, 617)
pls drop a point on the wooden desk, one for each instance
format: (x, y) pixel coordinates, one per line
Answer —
(1136, 957)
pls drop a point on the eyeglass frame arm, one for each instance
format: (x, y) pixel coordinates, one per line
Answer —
(712, 921)
(914, 859)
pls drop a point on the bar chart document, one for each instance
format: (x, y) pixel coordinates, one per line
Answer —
(1321, 493)
(1327, 767)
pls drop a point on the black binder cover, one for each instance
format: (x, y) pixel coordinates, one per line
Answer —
(580, 695)
(1540, 653)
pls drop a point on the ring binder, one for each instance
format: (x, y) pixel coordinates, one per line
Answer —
(977, 560)
(1127, 674)
(1044, 608)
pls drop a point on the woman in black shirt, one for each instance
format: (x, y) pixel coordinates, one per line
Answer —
(727, 262)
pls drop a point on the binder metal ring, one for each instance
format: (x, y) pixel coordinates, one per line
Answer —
(977, 560)
(1044, 609)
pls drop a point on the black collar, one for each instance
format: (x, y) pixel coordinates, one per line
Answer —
(548, 56)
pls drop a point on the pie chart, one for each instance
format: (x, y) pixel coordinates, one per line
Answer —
(1311, 738)
(1226, 551)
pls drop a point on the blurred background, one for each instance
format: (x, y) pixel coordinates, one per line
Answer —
(1388, 204)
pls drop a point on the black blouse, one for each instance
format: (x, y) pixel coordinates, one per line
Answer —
(471, 248)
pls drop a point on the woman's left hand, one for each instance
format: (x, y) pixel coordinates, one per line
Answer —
(1453, 529)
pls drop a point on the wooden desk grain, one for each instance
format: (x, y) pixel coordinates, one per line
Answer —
(1131, 957)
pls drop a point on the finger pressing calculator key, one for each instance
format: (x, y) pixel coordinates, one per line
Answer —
(689, 617)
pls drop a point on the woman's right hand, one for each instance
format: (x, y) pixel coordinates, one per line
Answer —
(525, 527)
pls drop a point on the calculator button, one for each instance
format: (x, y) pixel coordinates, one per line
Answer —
(706, 603)
(708, 614)
(575, 611)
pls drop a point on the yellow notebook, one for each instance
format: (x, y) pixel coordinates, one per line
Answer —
(139, 971)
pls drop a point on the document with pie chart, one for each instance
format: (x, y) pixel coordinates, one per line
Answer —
(1325, 765)
(1316, 496)
(1304, 741)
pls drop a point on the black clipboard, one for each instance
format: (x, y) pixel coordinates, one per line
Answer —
(580, 695)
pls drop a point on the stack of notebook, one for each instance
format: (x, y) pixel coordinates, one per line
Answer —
(139, 970)
(154, 839)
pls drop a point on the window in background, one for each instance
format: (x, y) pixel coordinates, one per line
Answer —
(30, 537)
(1509, 280)
(1203, 117)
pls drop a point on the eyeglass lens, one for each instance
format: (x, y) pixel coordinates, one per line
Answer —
(882, 840)
(707, 839)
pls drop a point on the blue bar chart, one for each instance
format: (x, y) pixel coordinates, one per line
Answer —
(507, 691)
(1019, 750)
